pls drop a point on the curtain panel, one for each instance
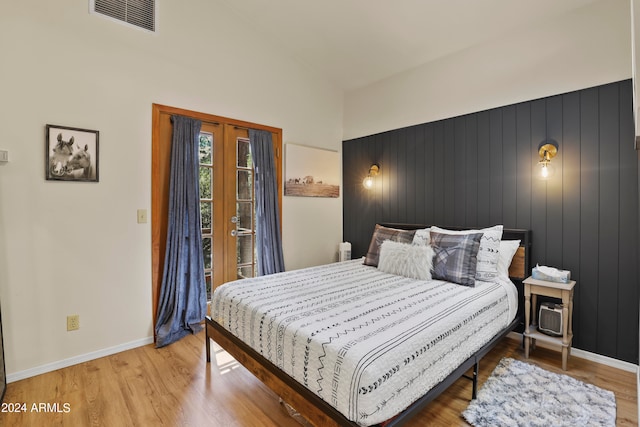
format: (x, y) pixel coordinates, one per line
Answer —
(268, 238)
(183, 302)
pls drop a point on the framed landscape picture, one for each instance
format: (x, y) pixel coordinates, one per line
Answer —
(311, 172)
(71, 154)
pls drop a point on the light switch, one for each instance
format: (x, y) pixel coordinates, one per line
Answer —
(4, 156)
(142, 216)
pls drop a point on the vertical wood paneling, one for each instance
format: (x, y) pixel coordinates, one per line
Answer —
(589, 206)
(480, 170)
(379, 181)
(418, 185)
(438, 172)
(429, 162)
(608, 226)
(554, 186)
(571, 199)
(460, 172)
(401, 169)
(449, 172)
(627, 307)
(497, 167)
(509, 166)
(524, 167)
(537, 201)
(484, 169)
(471, 169)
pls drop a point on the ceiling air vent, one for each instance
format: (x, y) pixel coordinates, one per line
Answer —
(139, 13)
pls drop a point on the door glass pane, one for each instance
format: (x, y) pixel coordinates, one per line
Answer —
(206, 204)
(245, 249)
(205, 216)
(244, 153)
(206, 148)
(206, 183)
(206, 252)
(245, 216)
(245, 185)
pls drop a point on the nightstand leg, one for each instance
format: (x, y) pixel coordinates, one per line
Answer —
(534, 318)
(565, 329)
(527, 308)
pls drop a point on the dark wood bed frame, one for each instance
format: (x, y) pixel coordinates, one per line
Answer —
(319, 412)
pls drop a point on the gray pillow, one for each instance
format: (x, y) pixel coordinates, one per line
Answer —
(455, 257)
(380, 234)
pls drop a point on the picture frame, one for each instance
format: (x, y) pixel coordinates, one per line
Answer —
(71, 154)
(311, 172)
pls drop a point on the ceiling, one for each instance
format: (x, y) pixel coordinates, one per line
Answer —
(357, 42)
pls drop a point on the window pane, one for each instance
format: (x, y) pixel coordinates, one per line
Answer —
(205, 215)
(245, 249)
(205, 182)
(206, 148)
(245, 213)
(245, 185)
(244, 153)
(206, 251)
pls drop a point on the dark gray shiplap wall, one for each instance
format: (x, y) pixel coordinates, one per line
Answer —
(480, 170)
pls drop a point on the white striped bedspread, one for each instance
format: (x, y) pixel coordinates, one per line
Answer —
(368, 343)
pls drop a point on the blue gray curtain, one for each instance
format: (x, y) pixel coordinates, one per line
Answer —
(268, 239)
(183, 299)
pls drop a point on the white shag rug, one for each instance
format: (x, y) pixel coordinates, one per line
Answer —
(522, 394)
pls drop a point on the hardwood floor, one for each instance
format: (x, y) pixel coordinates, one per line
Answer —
(173, 386)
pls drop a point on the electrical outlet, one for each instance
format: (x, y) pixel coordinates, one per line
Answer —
(73, 322)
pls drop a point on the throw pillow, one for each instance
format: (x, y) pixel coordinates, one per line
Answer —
(405, 259)
(489, 252)
(380, 234)
(455, 257)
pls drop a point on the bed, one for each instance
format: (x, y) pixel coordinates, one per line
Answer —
(351, 344)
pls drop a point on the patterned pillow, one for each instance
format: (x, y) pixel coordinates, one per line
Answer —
(422, 237)
(455, 257)
(380, 234)
(404, 259)
(489, 252)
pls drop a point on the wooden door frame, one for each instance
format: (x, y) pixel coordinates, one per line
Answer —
(159, 184)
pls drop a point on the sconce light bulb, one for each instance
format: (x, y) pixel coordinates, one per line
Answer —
(368, 182)
(545, 170)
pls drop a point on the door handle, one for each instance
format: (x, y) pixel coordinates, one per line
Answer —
(234, 233)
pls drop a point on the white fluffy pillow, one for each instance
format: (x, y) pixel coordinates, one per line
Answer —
(508, 249)
(489, 252)
(405, 259)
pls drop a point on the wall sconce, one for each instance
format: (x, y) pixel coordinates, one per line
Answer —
(547, 151)
(368, 181)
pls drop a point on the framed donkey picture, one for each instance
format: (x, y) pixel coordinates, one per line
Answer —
(71, 154)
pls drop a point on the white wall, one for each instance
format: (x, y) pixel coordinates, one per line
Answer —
(75, 248)
(585, 48)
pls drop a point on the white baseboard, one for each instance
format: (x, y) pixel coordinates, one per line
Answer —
(593, 357)
(49, 367)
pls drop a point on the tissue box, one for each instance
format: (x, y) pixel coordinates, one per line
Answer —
(562, 276)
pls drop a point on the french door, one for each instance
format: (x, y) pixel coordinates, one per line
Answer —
(227, 195)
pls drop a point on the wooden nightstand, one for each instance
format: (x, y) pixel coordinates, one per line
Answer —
(533, 288)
